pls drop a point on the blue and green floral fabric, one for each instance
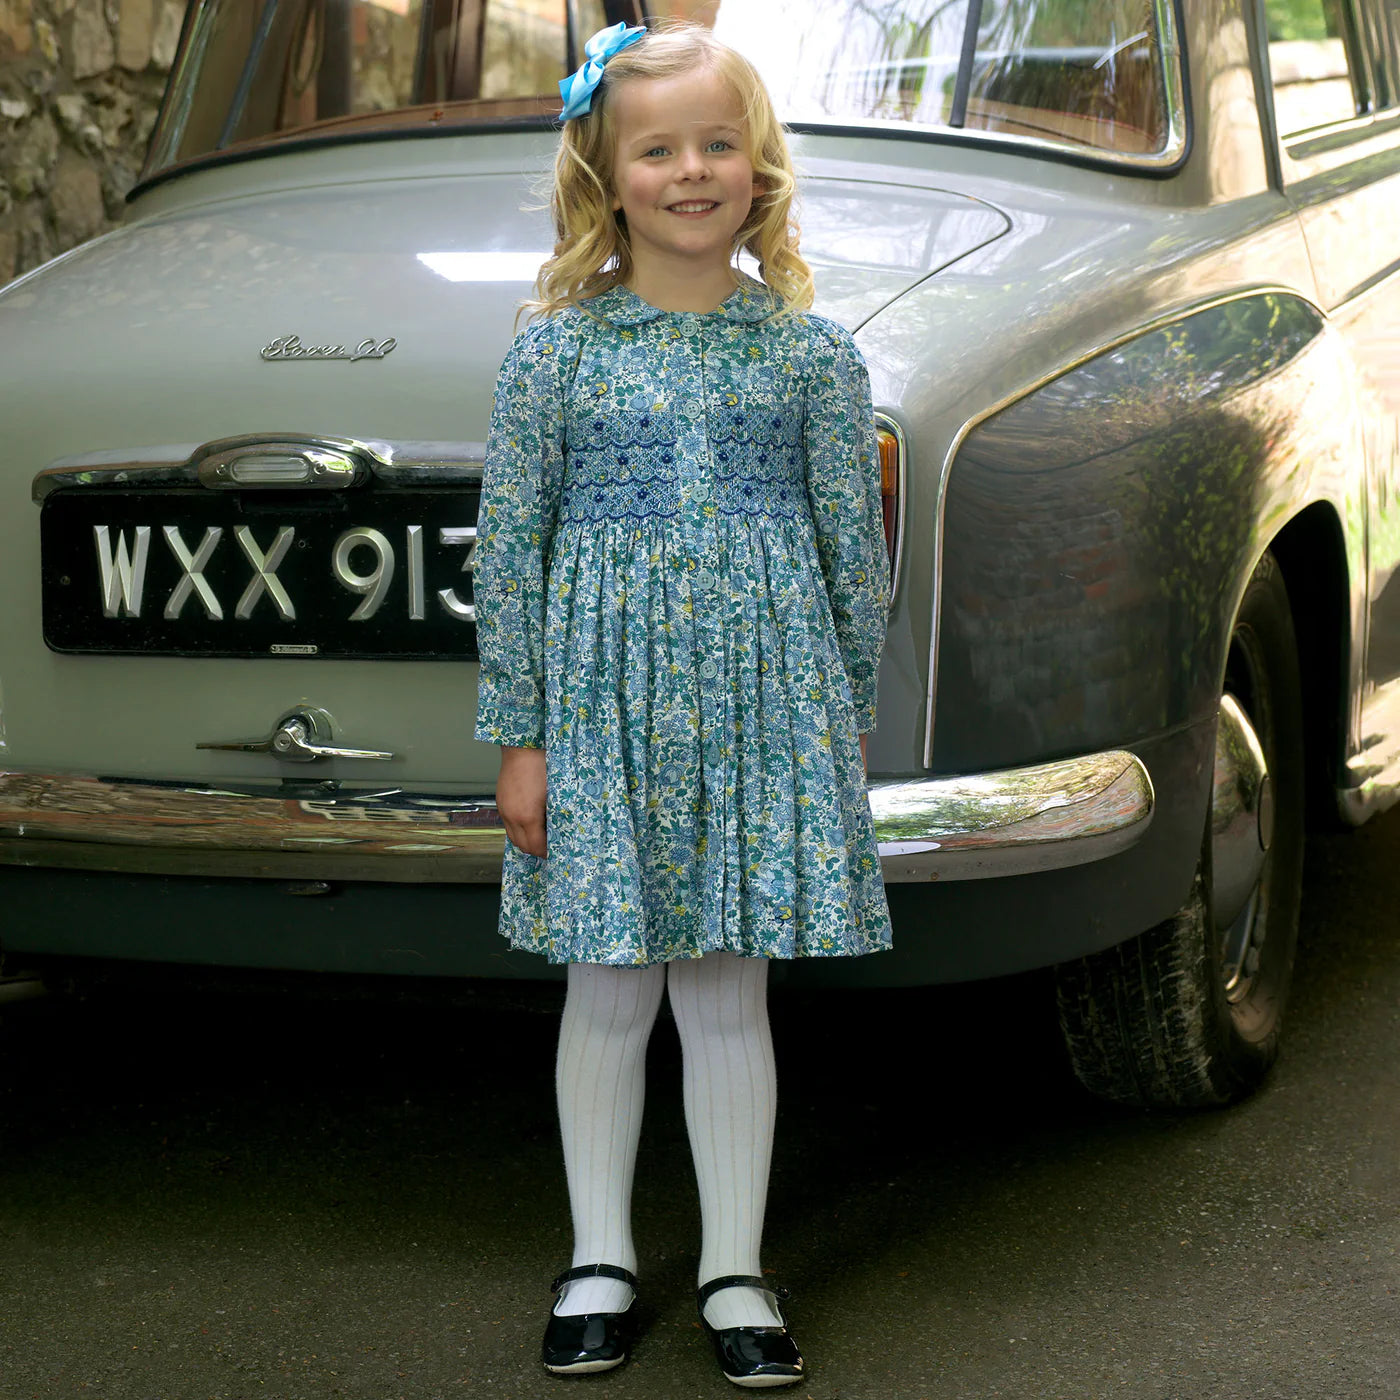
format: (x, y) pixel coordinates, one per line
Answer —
(681, 589)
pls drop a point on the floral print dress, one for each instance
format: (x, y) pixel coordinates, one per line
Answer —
(681, 591)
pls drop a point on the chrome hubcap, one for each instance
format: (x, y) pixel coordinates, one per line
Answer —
(1242, 828)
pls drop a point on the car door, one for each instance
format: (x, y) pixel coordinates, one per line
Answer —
(1334, 75)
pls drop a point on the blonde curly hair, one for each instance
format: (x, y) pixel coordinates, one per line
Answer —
(591, 250)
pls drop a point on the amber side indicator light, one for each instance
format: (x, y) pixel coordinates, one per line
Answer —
(889, 488)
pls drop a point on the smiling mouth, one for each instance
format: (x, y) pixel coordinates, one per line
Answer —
(693, 206)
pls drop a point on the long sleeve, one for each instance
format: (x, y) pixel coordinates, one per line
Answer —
(519, 503)
(843, 488)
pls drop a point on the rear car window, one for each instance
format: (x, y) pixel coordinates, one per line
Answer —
(1090, 76)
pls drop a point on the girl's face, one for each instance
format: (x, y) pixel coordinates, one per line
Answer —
(681, 172)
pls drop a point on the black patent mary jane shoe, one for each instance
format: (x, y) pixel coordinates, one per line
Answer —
(752, 1356)
(588, 1342)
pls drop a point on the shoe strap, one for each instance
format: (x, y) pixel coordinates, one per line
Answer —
(595, 1271)
(706, 1291)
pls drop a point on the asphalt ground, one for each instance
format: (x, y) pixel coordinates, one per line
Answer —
(219, 1197)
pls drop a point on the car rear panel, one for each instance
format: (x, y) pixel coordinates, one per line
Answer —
(284, 297)
(149, 341)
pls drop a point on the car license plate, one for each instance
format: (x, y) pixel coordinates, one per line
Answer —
(376, 574)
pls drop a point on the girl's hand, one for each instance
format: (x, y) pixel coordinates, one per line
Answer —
(520, 799)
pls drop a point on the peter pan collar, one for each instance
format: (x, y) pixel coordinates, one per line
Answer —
(620, 306)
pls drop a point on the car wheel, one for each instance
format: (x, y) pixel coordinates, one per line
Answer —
(1188, 1014)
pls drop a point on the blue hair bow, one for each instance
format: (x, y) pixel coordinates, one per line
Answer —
(578, 88)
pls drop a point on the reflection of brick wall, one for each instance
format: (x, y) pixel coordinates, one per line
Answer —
(80, 83)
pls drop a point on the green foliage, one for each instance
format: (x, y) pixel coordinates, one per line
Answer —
(1300, 19)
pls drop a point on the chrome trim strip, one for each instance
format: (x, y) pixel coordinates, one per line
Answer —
(884, 420)
(408, 463)
(1173, 88)
(1382, 281)
(945, 471)
(302, 831)
(1301, 145)
(325, 468)
(1013, 822)
(403, 463)
(973, 827)
(150, 466)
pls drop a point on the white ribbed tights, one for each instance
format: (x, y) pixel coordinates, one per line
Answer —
(720, 1005)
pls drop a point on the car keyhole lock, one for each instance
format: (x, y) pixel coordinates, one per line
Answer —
(289, 741)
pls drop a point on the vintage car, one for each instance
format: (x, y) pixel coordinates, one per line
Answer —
(1125, 275)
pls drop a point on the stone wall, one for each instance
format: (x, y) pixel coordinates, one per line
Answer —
(80, 85)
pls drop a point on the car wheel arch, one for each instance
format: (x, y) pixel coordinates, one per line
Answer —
(1311, 553)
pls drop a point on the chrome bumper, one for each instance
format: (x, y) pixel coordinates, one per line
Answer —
(966, 828)
(1012, 822)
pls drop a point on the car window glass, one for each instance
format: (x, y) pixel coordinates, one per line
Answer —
(1308, 61)
(1081, 72)
(258, 68)
(1381, 24)
(1088, 75)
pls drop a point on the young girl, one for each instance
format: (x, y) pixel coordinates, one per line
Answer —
(681, 597)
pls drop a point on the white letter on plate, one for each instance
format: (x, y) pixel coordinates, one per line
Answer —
(264, 578)
(459, 534)
(123, 574)
(415, 573)
(194, 566)
(373, 585)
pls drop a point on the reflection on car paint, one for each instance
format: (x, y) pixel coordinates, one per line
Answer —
(1088, 528)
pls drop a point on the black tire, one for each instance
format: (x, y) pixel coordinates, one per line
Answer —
(1177, 1017)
